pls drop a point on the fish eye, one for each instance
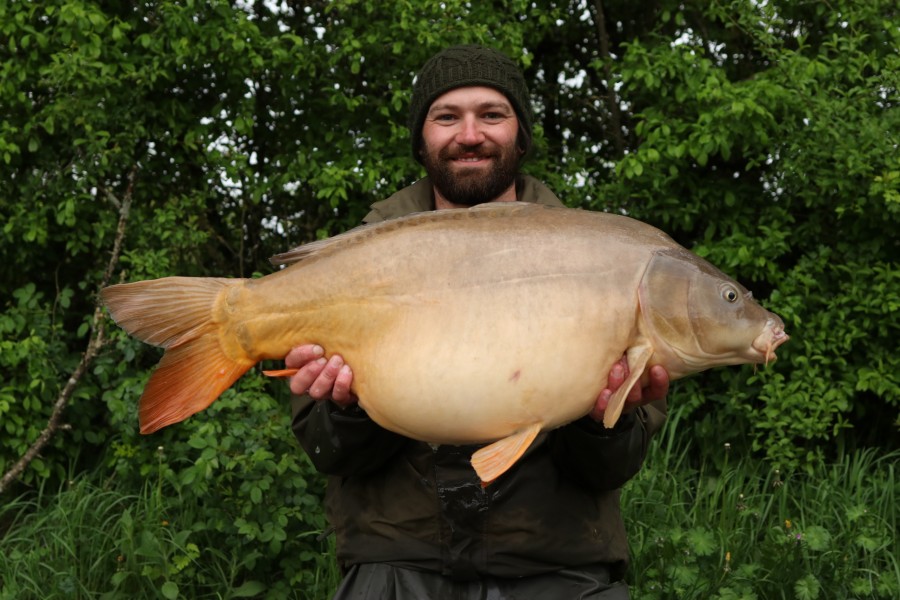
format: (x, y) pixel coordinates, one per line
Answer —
(730, 295)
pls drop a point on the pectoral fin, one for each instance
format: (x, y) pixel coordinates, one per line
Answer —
(493, 461)
(280, 372)
(638, 357)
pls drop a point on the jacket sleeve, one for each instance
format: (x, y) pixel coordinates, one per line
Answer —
(341, 441)
(605, 459)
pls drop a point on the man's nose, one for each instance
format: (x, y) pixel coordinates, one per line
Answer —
(470, 133)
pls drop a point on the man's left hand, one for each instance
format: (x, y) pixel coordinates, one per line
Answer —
(657, 388)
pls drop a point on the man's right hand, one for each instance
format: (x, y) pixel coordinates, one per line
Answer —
(318, 377)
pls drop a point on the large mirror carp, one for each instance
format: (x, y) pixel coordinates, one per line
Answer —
(488, 324)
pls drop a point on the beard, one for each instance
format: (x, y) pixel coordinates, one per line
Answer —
(471, 186)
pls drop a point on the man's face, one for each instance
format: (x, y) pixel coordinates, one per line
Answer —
(469, 145)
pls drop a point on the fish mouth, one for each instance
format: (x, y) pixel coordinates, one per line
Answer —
(773, 335)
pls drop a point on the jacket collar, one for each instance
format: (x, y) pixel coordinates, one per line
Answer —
(419, 197)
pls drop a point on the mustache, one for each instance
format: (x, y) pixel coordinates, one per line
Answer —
(480, 151)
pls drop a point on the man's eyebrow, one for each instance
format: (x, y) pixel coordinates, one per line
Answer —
(490, 105)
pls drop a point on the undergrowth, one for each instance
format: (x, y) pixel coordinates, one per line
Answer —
(711, 528)
(744, 530)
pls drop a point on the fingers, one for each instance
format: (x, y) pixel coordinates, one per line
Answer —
(302, 355)
(600, 405)
(658, 387)
(617, 375)
(318, 377)
(324, 383)
(341, 392)
(306, 376)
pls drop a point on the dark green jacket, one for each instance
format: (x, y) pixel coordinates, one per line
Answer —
(410, 504)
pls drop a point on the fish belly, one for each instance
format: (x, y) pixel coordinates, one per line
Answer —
(479, 367)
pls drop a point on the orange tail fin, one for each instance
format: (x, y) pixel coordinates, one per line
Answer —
(176, 313)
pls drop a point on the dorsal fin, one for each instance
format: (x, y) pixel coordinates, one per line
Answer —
(363, 232)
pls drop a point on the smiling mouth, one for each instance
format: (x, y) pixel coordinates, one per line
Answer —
(470, 159)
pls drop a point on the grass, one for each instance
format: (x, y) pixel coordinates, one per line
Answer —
(85, 541)
(745, 530)
(713, 528)
(94, 540)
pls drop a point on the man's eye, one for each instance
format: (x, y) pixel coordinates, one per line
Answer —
(447, 117)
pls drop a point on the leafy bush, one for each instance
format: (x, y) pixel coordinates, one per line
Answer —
(223, 509)
(235, 478)
(775, 157)
(34, 364)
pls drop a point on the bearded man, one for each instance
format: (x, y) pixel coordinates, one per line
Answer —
(412, 519)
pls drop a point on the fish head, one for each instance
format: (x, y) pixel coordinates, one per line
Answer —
(699, 318)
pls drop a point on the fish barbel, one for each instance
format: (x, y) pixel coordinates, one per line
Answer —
(488, 324)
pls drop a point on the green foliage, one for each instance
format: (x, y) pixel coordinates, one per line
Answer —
(243, 484)
(239, 130)
(740, 529)
(216, 514)
(699, 529)
(761, 135)
(31, 346)
(774, 156)
(766, 144)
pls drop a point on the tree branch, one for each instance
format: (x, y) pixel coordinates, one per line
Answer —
(612, 101)
(95, 343)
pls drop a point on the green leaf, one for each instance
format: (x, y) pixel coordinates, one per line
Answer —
(817, 538)
(807, 588)
(702, 542)
(869, 543)
(169, 590)
(249, 589)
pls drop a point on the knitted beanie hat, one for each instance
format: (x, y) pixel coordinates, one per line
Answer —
(471, 65)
